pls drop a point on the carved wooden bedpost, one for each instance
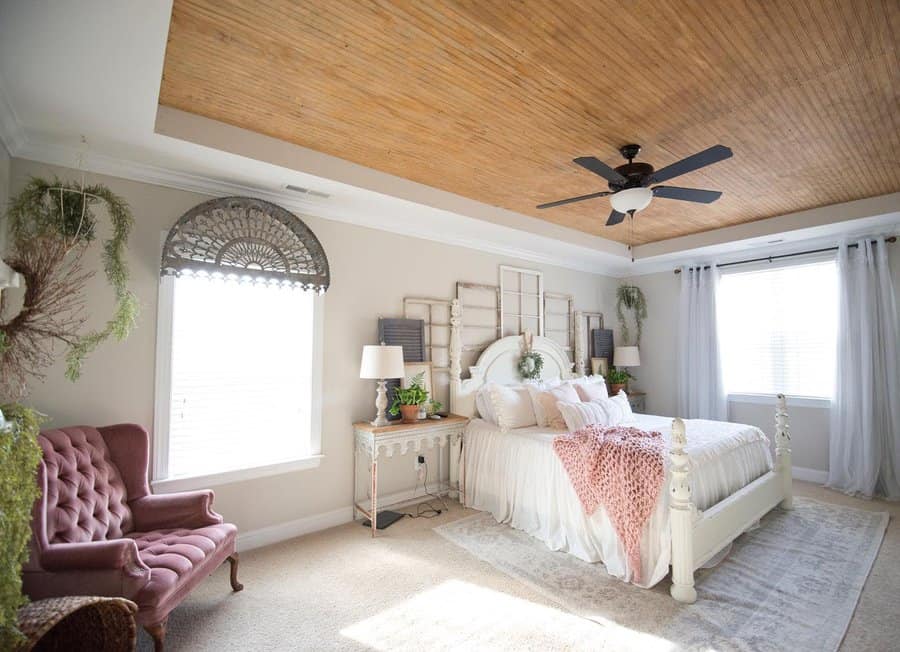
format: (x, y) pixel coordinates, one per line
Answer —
(579, 343)
(681, 517)
(783, 451)
(455, 386)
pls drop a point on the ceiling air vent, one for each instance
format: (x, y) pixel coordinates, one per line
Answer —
(306, 191)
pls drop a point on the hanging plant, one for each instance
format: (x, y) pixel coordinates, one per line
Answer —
(51, 225)
(530, 365)
(19, 457)
(630, 298)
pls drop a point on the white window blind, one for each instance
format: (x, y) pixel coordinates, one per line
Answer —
(778, 330)
(241, 376)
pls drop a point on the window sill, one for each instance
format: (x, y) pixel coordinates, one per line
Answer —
(189, 483)
(769, 399)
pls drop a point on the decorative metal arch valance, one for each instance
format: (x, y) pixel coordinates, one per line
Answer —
(247, 237)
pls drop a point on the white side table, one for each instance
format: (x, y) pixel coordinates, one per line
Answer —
(385, 440)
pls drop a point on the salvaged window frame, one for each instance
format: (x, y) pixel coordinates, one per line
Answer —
(515, 310)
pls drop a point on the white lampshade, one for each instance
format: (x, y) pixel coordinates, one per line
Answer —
(380, 361)
(631, 199)
(627, 356)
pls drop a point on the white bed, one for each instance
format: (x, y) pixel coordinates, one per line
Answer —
(720, 478)
(519, 479)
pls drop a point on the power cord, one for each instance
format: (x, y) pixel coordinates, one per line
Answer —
(427, 509)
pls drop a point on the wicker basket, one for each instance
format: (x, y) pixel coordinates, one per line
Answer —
(78, 622)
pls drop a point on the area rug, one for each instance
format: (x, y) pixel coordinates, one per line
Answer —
(792, 583)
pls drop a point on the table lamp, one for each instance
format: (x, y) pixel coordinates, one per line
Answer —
(627, 356)
(380, 362)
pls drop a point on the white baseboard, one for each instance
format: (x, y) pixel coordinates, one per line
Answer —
(267, 536)
(809, 475)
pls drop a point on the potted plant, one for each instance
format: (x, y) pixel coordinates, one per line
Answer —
(408, 399)
(618, 380)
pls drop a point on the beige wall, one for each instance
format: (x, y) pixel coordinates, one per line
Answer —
(371, 272)
(658, 376)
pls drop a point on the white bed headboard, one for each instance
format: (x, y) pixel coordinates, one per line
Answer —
(497, 364)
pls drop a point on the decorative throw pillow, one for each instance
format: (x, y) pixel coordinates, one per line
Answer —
(534, 390)
(511, 406)
(591, 391)
(578, 415)
(484, 405)
(548, 400)
(618, 409)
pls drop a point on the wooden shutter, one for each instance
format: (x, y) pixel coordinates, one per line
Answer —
(602, 344)
(408, 333)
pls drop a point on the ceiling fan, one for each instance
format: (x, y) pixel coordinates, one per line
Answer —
(628, 184)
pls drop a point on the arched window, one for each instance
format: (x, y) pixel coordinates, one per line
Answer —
(238, 362)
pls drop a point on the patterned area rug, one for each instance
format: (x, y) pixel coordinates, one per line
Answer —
(791, 584)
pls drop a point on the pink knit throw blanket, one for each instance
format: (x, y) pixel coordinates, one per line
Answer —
(620, 468)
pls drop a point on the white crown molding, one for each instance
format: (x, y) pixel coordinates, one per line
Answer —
(12, 135)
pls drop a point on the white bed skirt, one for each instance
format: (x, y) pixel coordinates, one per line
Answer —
(517, 477)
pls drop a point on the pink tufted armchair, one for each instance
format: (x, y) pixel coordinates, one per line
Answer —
(97, 529)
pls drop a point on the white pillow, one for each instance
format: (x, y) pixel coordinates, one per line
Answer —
(591, 391)
(484, 405)
(535, 387)
(511, 406)
(579, 415)
(618, 409)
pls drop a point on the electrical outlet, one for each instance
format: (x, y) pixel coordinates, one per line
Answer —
(419, 461)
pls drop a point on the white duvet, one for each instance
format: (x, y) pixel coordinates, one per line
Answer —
(518, 478)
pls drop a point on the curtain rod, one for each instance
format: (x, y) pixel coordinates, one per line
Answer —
(893, 238)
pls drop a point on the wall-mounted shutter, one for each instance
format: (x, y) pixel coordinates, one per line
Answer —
(408, 333)
(602, 343)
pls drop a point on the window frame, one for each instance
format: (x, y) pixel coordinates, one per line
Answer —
(764, 398)
(162, 405)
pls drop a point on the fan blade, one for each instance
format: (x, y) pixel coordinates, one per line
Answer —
(699, 160)
(687, 194)
(615, 218)
(571, 200)
(597, 166)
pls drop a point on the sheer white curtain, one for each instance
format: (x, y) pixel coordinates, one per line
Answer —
(701, 394)
(865, 413)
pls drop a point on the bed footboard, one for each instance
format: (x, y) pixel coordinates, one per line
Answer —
(696, 538)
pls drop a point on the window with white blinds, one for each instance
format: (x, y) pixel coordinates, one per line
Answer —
(240, 390)
(778, 330)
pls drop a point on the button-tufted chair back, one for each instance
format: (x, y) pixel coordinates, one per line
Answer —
(86, 496)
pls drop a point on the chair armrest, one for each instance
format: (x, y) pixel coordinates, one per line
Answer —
(186, 509)
(114, 554)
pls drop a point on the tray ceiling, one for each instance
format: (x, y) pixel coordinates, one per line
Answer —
(492, 100)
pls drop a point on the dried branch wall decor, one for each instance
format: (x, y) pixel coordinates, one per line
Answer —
(249, 238)
(51, 225)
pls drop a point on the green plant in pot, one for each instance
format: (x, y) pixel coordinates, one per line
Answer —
(618, 380)
(408, 399)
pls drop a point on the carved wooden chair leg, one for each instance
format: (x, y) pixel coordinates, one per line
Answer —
(234, 560)
(157, 632)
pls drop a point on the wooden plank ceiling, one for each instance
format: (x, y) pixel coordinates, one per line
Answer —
(492, 99)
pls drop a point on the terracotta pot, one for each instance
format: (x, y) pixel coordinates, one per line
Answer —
(615, 387)
(410, 413)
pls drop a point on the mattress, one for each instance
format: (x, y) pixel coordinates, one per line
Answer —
(517, 477)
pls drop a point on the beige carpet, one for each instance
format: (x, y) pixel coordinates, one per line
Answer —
(412, 589)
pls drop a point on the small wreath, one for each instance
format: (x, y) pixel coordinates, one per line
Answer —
(530, 365)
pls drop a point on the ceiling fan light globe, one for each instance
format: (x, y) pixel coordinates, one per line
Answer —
(631, 199)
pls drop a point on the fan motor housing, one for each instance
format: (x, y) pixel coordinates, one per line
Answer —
(635, 173)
